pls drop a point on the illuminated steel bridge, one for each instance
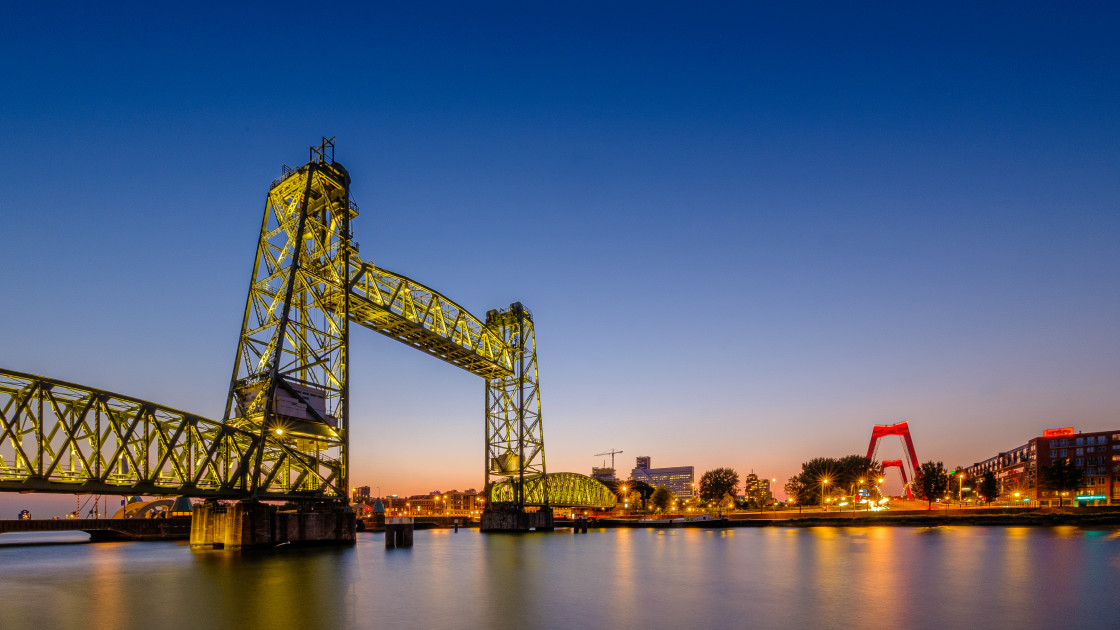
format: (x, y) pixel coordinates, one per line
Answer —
(285, 433)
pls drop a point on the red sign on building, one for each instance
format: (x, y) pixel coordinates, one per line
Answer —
(1049, 433)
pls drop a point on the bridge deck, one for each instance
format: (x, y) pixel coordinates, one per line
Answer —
(174, 528)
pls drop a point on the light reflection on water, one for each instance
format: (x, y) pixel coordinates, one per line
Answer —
(822, 577)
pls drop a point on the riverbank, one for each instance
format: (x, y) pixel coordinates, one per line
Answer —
(1020, 517)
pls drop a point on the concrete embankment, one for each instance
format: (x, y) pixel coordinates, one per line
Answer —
(109, 529)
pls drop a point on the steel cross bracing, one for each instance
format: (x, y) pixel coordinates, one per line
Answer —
(413, 314)
(286, 424)
(514, 431)
(290, 377)
(564, 490)
(61, 437)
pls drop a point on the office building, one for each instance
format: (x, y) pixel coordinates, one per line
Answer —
(680, 480)
(757, 489)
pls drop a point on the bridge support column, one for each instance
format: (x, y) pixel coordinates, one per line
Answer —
(249, 524)
(516, 520)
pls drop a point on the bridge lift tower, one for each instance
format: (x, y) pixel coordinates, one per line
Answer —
(285, 434)
(290, 382)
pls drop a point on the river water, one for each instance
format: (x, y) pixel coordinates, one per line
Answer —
(772, 577)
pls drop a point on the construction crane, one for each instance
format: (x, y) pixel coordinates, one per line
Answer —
(611, 452)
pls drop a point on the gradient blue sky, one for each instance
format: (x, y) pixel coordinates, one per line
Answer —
(747, 233)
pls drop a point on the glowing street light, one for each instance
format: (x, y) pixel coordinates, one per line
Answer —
(824, 482)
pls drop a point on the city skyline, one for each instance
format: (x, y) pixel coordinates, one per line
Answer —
(746, 234)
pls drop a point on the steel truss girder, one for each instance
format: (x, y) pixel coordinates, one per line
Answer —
(57, 436)
(418, 316)
(564, 490)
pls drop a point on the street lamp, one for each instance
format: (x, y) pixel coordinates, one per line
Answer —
(824, 482)
(960, 488)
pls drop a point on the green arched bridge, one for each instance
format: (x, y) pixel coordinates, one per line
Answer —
(563, 490)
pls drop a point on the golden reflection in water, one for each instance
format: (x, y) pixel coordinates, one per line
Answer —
(623, 589)
(780, 577)
(105, 598)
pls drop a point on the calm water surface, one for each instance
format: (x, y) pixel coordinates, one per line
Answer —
(880, 577)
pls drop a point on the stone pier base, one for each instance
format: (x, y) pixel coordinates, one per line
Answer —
(249, 524)
(516, 520)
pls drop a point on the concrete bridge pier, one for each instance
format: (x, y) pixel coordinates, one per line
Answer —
(512, 519)
(398, 532)
(251, 524)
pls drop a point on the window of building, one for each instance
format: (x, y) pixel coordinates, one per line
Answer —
(1053, 453)
(1080, 451)
(1063, 453)
(1080, 462)
(1080, 441)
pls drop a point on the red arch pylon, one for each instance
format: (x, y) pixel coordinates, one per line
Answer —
(901, 429)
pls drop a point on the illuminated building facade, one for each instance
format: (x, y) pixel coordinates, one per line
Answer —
(679, 479)
(451, 503)
(1097, 454)
(757, 489)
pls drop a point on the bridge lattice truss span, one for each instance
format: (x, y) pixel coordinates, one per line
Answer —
(285, 434)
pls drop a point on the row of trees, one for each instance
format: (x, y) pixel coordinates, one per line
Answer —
(826, 476)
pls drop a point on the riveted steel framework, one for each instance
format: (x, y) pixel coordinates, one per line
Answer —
(564, 490)
(61, 437)
(514, 431)
(285, 430)
(289, 383)
(418, 316)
